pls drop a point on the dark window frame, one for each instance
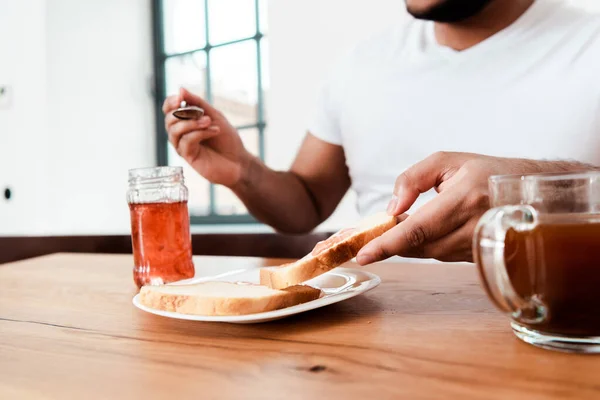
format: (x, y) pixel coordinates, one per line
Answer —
(159, 59)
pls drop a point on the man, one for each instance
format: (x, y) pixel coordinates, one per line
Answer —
(515, 79)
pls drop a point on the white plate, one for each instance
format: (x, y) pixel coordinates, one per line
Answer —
(337, 285)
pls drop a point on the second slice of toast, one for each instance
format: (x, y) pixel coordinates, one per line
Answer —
(328, 254)
(224, 298)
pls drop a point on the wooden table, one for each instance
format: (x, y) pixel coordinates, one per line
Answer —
(68, 330)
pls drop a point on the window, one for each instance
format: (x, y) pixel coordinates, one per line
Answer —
(217, 50)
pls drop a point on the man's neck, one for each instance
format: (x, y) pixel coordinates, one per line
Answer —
(492, 19)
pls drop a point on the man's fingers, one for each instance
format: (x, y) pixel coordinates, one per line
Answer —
(193, 100)
(190, 143)
(202, 123)
(177, 128)
(456, 246)
(418, 179)
(170, 120)
(170, 104)
(435, 219)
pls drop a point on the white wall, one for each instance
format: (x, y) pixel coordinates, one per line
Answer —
(83, 68)
(23, 139)
(101, 117)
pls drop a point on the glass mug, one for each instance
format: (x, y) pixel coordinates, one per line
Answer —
(538, 255)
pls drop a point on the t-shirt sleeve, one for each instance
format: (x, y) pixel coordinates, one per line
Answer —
(324, 122)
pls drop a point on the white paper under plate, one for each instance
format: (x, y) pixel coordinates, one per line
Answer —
(337, 285)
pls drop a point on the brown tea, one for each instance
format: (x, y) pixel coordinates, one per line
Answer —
(559, 261)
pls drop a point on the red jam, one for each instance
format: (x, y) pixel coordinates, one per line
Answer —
(162, 248)
(332, 240)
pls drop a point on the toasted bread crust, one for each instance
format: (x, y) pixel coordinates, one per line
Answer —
(313, 266)
(308, 269)
(198, 305)
(348, 249)
(301, 294)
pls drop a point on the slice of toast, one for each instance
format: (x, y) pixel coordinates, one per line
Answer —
(328, 254)
(224, 298)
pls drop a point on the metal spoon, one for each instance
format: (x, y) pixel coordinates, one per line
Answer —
(188, 112)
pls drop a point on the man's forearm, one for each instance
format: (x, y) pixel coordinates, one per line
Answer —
(279, 199)
(545, 166)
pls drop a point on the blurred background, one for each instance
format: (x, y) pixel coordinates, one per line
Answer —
(82, 83)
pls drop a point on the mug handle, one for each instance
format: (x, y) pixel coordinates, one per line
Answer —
(488, 254)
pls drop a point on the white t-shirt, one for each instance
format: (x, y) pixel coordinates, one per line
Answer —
(531, 90)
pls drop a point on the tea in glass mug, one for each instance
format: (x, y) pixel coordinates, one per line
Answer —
(538, 255)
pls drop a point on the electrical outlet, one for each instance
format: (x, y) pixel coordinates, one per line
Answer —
(5, 96)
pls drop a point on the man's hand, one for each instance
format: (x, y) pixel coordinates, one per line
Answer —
(210, 144)
(293, 201)
(443, 227)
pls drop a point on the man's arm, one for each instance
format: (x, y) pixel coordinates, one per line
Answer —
(293, 202)
(443, 228)
(296, 201)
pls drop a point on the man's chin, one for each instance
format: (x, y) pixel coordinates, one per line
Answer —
(447, 11)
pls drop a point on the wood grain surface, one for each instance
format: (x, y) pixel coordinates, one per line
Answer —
(68, 330)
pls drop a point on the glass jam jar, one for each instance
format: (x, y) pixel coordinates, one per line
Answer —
(160, 226)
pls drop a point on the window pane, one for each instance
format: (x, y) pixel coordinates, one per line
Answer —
(184, 25)
(250, 140)
(235, 81)
(228, 203)
(188, 71)
(264, 16)
(231, 20)
(199, 199)
(266, 83)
